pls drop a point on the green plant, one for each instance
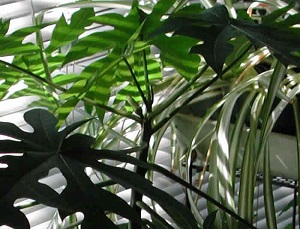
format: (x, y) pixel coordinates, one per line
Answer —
(128, 83)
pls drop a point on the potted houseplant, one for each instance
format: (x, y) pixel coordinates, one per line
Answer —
(128, 82)
(241, 136)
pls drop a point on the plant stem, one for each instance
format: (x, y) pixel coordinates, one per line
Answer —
(112, 110)
(149, 87)
(136, 82)
(143, 156)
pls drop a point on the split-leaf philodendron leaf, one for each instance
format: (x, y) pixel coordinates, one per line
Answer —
(215, 29)
(44, 149)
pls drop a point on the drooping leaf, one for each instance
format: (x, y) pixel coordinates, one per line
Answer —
(129, 179)
(157, 220)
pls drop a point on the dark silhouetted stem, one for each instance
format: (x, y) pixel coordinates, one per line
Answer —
(143, 156)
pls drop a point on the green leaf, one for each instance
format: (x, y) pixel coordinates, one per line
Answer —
(209, 221)
(123, 75)
(215, 34)
(4, 26)
(44, 149)
(100, 75)
(276, 15)
(179, 214)
(10, 47)
(65, 109)
(217, 15)
(157, 220)
(216, 47)
(215, 28)
(65, 33)
(290, 20)
(92, 44)
(153, 20)
(12, 44)
(121, 156)
(175, 51)
(281, 41)
(65, 79)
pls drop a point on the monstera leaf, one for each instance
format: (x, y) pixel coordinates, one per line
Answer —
(44, 149)
(214, 28)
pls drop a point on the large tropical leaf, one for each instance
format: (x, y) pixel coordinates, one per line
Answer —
(44, 149)
(214, 28)
(99, 75)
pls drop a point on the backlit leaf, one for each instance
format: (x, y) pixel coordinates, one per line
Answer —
(65, 33)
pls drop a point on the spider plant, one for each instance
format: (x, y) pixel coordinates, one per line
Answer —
(124, 86)
(245, 115)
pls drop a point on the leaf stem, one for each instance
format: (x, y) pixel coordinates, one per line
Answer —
(112, 110)
(177, 94)
(34, 76)
(196, 94)
(143, 156)
(149, 87)
(136, 82)
(87, 100)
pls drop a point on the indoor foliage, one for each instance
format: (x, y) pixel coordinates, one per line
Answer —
(211, 51)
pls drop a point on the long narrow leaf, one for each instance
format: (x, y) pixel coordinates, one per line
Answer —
(268, 192)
